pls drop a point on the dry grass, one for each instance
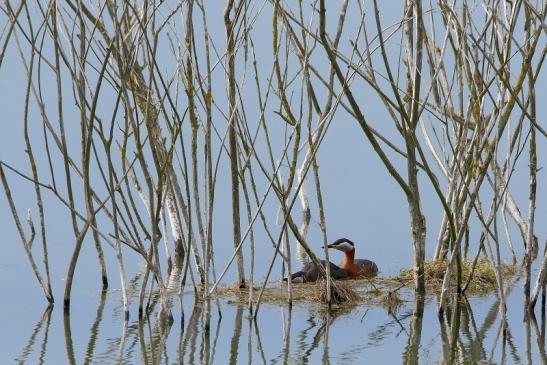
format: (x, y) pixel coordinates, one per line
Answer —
(341, 292)
(345, 293)
(483, 281)
(272, 294)
(391, 299)
(385, 292)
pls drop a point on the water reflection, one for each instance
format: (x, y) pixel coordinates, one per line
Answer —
(89, 354)
(259, 347)
(236, 335)
(470, 331)
(43, 322)
(411, 353)
(68, 339)
(539, 334)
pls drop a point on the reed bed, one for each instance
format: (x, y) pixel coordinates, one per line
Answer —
(167, 99)
(385, 292)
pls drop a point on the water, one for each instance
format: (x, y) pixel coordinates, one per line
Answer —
(95, 333)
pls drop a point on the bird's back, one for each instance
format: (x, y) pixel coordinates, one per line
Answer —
(366, 268)
(311, 272)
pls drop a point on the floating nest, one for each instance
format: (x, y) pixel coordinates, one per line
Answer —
(483, 281)
(344, 293)
(384, 292)
(391, 299)
(341, 292)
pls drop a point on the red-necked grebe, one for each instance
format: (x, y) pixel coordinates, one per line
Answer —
(350, 267)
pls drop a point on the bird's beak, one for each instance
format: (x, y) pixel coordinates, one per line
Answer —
(332, 245)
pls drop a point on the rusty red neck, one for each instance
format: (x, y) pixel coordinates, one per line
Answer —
(348, 260)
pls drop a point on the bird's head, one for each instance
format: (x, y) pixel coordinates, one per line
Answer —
(342, 244)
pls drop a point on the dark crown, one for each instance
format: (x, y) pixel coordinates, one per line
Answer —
(342, 240)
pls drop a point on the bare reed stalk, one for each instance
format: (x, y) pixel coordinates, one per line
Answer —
(80, 86)
(287, 115)
(191, 93)
(414, 72)
(531, 241)
(229, 24)
(410, 120)
(117, 247)
(34, 169)
(259, 209)
(285, 246)
(540, 281)
(205, 86)
(251, 243)
(504, 115)
(27, 242)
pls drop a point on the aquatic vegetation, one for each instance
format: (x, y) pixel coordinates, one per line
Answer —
(483, 280)
(343, 292)
(176, 131)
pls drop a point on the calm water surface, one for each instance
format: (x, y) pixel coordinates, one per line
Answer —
(95, 333)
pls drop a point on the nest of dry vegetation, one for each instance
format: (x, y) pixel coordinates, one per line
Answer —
(385, 292)
(483, 280)
(344, 293)
(341, 292)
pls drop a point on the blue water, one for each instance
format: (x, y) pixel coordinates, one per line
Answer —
(95, 333)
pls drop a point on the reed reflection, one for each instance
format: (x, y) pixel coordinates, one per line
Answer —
(190, 335)
(95, 329)
(234, 343)
(411, 354)
(464, 339)
(69, 346)
(205, 351)
(258, 340)
(326, 358)
(194, 345)
(43, 322)
(461, 338)
(152, 333)
(539, 335)
(302, 340)
(114, 349)
(470, 331)
(287, 324)
(215, 341)
(310, 339)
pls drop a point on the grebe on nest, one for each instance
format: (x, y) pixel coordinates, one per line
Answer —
(349, 268)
